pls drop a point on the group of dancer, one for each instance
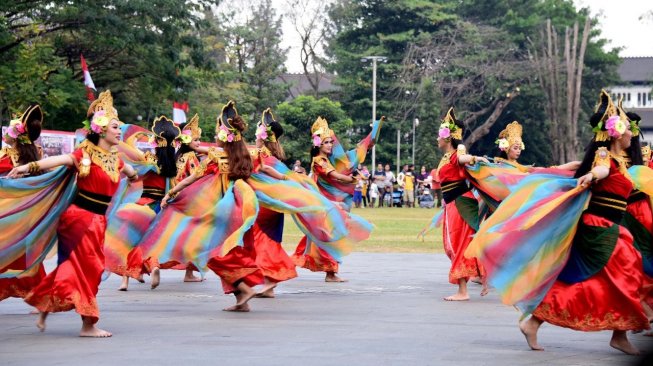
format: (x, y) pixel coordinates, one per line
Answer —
(108, 207)
(569, 245)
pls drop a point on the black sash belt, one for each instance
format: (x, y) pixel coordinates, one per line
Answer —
(453, 190)
(636, 195)
(153, 193)
(609, 206)
(94, 202)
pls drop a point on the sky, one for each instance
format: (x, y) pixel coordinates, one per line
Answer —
(619, 21)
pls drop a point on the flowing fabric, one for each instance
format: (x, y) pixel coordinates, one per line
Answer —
(525, 244)
(642, 178)
(207, 219)
(30, 209)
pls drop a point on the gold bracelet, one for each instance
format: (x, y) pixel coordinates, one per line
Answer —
(172, 194)
(473, 161)
(133, 177)
(33, 167)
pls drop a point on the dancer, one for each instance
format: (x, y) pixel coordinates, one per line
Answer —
(155, 185)
(460, 213)
(271, 258)
(336, 186)
(224, 170)
(565, 266)
(74, 283)
(21, 135)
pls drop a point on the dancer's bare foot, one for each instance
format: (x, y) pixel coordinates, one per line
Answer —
(124, 284)
(156, 277)
(529, 329)
(620, 341)
(40, 323)
(93, 332)
(267, 291)
(190, 277)
(476, 280)
(244, 308)
(484, 290)
(457, 297)
(332, 277)
(140, 278)
(245, 294)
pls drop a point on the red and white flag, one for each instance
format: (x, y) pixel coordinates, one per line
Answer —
(179, 111)
(88, 82)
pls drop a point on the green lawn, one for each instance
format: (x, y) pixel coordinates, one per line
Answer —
(395, 230)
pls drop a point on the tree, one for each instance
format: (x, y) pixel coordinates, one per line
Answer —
(297, 117)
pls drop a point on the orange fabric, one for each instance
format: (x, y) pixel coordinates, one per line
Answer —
(271, 258)
(19, 287)
(74, 283)
(238, 265)
(456, 236)
(321, 261)
(609, 300)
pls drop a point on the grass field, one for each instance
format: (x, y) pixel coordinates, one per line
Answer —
(395, 230)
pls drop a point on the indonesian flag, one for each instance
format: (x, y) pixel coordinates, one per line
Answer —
(179, 111)
(88, 82)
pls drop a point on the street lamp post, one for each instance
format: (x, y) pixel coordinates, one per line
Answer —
(374, 59)
(415, 124)
(398, 149)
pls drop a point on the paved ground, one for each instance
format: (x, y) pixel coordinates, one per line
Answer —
(390, 313)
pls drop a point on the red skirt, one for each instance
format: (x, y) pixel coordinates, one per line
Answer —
(239, 265)
(317, 260)
(456, 236)
(74, 283)
(21, 286)
(609, 300)
(273, 261)
(641, 210)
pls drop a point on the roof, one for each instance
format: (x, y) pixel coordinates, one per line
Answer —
(300, 85)
(636, 69)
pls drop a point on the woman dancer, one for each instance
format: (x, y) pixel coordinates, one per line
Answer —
(21, 136)
(229, 165)
(271, 258)
(155, 185)
(75, 281)
(461, 218)
(325, 175)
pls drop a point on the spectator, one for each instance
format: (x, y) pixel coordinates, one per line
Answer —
(374, 194)
(435, 186)
(387, 197)
(389, 182)
(409, 189)
(379, 179)
(358, 193)
(365, 177)
(297, 168)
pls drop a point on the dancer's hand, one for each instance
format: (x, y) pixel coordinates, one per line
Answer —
(164, 201)
(483, 159)
(585, 180)
(18, 171)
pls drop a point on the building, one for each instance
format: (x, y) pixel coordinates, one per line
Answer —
(637, 86)
(298, 84)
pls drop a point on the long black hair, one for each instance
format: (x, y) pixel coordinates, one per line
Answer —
(184, 148)
(634, 151)
(166, 157)
(275, 147)
(590, 150)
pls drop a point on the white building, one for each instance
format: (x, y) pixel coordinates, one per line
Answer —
(636, 89)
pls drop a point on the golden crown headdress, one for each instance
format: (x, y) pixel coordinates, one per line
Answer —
(165, 129)
(646, 152)
(605, 109)
(634, 122)
(449, 128)
(321, 128)
(226, 132)
(191, 130)
(26, 127)
(513, 134)
(104, 102)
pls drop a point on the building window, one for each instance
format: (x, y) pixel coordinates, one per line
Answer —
(644, 99)
(639, 99)
(629, 97)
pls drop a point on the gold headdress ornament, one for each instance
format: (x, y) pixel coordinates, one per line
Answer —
(225, 130)
(320, 131)
(101, 112)
(607, 118)
(646, 153)
(165, 129)
(449, 128)
(512, 135)
(26, 127)
(191, 130)
(264, 128)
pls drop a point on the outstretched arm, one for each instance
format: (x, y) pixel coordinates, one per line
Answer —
(272, 172)
(172, 193)
(44, 164)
